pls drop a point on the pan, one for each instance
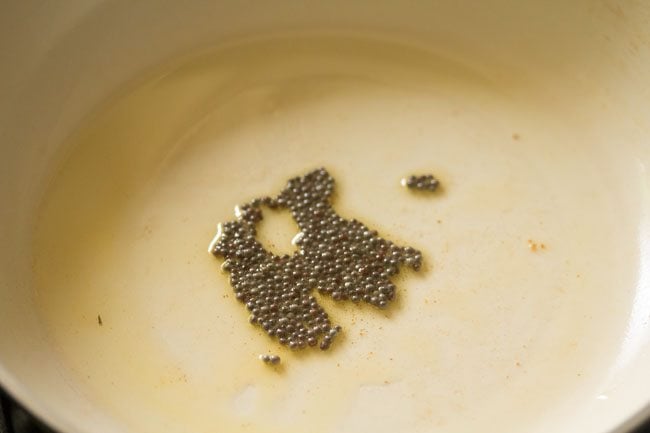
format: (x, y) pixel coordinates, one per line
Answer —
(131, 130)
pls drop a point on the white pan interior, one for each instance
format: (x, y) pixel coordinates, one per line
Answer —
(124, 127)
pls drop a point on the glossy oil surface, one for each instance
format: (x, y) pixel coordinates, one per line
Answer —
(530, 248)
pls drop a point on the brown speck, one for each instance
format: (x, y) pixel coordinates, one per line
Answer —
(518, 364)
(99, 320)
(516, 136)
(386, 382)
(439, 221)
(534, 246)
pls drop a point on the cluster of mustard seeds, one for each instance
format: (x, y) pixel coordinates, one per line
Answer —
(340, 258)
(270, 359)
(423, 183)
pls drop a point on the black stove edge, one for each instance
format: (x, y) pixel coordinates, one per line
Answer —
(15, 419)
(3, 424)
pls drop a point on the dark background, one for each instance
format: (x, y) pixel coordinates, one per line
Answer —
(14, 419)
